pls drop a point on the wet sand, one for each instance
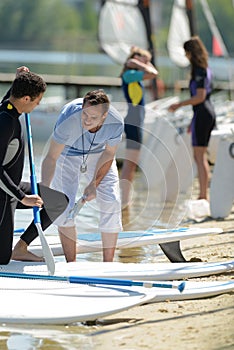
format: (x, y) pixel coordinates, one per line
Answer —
(205, 324)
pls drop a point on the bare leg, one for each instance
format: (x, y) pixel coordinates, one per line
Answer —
(200, 157)
(68, 239)
(127, 175)
(21, 253)
(109, 244)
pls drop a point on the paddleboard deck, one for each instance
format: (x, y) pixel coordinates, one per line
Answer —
(132, 271)
(91, 242)
(222, 186)
(192, 290)
(21, 306)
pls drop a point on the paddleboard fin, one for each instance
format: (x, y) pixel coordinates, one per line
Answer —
(172, 251)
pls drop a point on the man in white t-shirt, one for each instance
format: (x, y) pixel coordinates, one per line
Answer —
(84, 143)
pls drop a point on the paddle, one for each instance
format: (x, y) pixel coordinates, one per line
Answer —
(49, 259)
(19, 230)
(76, 209)
(94, 280)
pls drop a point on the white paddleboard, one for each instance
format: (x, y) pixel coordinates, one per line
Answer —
(91, 242)
(23, 306)
(158, 151)
(222, 181)
(181, 171)
(192, 290)
(132, 271)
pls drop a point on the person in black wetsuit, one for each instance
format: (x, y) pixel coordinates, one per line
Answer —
(204, 118)
(24, 95)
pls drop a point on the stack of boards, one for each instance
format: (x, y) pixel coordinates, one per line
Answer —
(60, 302)
(50, 301)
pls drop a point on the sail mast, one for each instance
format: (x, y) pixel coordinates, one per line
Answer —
(214, 29)
(191, 17)
(144, 7)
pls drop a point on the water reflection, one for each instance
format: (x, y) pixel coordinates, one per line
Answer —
(28, 337)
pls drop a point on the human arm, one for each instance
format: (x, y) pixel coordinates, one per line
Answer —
(21, 69)
(198, 89)
(198, 98)
(103, 165)
(11, 160)
(49, 162)
(147, 68)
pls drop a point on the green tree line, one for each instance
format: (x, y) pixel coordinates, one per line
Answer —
(71, 25)
(47, 25)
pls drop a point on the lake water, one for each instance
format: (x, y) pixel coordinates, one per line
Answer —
(100, 64)
(146, 211)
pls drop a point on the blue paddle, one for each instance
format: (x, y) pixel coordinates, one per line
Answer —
(49, 259)
(19, 230)
(94, 280)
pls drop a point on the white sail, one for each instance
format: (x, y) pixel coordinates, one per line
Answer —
(179, 32)
(121, 26)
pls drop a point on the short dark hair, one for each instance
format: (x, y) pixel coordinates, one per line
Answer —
(28, 84)
(97, 97)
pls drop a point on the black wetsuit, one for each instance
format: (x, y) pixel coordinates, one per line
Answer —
(12, 190)
(204, 117)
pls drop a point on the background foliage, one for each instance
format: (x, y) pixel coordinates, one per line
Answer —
(71, 25)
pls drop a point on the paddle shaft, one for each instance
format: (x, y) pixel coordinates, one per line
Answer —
(93, 280)
(49, 259)
(19, 230)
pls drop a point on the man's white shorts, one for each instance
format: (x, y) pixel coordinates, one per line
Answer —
(67, 178)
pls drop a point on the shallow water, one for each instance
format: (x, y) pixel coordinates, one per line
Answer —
(146, 211)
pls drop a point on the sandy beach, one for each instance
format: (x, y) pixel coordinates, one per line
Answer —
(205, 324)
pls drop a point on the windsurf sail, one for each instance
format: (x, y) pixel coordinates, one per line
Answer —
(123, 24)
(120, 27)
(179, 32)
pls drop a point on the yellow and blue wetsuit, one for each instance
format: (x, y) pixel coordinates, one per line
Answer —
(133, 88)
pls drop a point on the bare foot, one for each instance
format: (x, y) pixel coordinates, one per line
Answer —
(21, 253)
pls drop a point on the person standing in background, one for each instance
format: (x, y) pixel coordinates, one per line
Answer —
(204, 118)
(138, 67)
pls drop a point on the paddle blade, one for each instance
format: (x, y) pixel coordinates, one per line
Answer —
(181, 287)
(49, 259)
(76, 209)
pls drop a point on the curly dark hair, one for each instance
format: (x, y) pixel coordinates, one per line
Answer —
(28, 84)
(97, 97)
